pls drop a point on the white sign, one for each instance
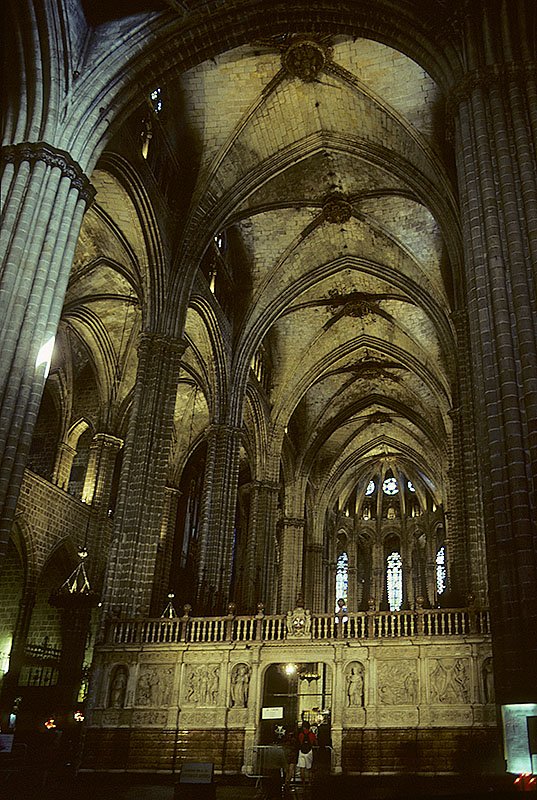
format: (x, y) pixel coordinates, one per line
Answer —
(515, 736)
(274, 712)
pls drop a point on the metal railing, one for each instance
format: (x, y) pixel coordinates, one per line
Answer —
(322, 627)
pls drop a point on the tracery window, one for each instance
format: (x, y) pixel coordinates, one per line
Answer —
(394, 581)
(342, 579)
(370, 488)
(389, 486)
(441, 570)
(156, 100)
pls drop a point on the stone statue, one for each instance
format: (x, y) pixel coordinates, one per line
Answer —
(240, 683)
(355, 686)
(488, 681)
(118, 688)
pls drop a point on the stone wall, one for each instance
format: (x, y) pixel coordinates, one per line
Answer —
(421, 705)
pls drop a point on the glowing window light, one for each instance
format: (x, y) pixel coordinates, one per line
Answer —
(410, 486)
(394, 581)
(44, 357)
(390, 486)
(441, 570)
(342, 579)
(156, 100)
(370, 488)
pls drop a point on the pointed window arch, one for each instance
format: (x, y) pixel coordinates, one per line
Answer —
(394, 580)
(342, 578)
(441, 575)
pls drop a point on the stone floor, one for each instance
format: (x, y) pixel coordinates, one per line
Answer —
(38, 785)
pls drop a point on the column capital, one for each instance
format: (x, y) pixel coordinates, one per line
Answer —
(499, 74)
(107, 440)
(54, 158)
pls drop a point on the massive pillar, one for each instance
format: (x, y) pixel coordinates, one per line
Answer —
(44, 195)
(495, 135)
(142, 489)
(165, 549)
(260, 556)
(291, 551)
(217, 522)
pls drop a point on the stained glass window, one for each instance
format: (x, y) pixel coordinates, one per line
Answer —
(156, 100)
(370, 488)
(410, 486)
(441, 570)
(394, 581)
(390, 486)
(342, 578)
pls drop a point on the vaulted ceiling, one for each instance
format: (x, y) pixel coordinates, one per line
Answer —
(323, 159)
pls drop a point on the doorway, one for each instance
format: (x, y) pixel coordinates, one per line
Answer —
(294, 693)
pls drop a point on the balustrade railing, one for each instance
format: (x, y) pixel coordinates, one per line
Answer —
(274, 627)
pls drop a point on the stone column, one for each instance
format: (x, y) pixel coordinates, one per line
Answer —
(165, 550)
(97, 492)
(495, 134)
(291, 546)
(217, 522)
(464, 535)
(260, 555)
(142, 488)
(64, 462)
(44, 194)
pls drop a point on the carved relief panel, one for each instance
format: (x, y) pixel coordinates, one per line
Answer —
(397, 683)
(154, 686)
(202, 684)
(449, 681)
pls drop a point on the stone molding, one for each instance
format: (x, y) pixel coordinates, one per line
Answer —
(54, 158)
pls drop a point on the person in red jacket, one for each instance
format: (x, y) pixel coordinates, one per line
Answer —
(306, 742)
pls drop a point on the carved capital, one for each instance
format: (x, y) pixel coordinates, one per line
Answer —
(54, 158)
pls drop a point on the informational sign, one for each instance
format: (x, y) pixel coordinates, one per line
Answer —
(197, 772)
(272, 712)
(516, 737)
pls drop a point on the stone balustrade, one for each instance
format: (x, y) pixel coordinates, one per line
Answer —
(319, 627)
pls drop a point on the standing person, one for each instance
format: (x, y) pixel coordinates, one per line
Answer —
(290, 746)
(306, 741)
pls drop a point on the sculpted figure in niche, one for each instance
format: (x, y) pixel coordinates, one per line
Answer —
(355, 685)
(240, 682)
(118, 688)
(488, 681)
